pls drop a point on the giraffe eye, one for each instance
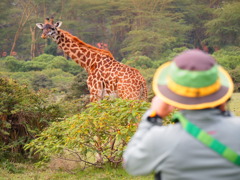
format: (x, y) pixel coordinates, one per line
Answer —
(52, 29)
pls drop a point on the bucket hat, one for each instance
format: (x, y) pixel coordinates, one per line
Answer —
(193, 80)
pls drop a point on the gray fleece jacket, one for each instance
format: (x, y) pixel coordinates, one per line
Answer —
(179, 156)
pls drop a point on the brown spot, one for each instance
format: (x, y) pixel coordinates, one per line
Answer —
(79, 54)
(74, 57)
(63, 44)
(83, 50)
(74, 45)
(83, 58)
(93, 67)
(88, 62)
(67, 40)
(98, 57)
(74, 50)
(88, 54)
(93, 55)
(68, 45)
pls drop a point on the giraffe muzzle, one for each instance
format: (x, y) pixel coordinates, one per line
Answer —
(43, 36)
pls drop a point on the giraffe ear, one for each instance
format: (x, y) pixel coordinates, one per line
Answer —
(58, 24)
(40, 25)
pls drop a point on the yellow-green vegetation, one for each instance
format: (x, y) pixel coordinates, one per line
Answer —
(73, 136)
(96, 136)
(234, 104)
(31, 173)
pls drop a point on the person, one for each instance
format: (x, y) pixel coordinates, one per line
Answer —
(204, 141)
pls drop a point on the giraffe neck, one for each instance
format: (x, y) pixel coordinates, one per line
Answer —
(83, 54)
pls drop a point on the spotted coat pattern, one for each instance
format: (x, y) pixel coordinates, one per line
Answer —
(106, 76)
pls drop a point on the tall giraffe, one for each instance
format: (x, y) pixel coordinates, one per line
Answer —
(106, 76)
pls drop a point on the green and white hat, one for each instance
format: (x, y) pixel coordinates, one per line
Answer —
(193, 80)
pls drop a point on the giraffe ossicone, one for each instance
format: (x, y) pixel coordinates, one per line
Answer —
(106, 76)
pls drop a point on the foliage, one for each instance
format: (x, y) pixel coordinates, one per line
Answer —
(51, 49)
(12, 64)
(33, 66)
(23, 114)
(58, 62)
(139, 62)
(151, 27)
(45, 71)
(94, 137)
(78, 87)
(224, 29)
(41, 81)
(228, 57)
(45, 58)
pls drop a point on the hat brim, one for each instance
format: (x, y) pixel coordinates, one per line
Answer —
(161, 89)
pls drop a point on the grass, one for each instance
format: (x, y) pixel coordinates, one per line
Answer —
(28, 172)
(58, 172)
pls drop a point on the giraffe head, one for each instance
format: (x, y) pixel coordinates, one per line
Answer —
(49, 28)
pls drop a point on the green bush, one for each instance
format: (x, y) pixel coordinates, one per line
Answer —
(23, 77)
(235, 74)
(74, 68)
(58, 62)
(12, 64)
(228, 57)
(78, 87)
(96, 136)
(138, 62)
(33, 66)
(46, 58)
(51, 49)
(23, 115)
(40, 81)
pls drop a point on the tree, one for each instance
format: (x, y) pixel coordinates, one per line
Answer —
(224, 29)
(27, 9)
(155, 29)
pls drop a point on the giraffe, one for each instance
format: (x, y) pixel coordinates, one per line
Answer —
(106, 76)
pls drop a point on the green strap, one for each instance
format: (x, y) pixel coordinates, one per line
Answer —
(208, 140)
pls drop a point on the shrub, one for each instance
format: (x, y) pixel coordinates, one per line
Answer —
(139, 62)
(235, 74)
(74, 68)
(41, 81)
(96, 136)
(46, 58)
(23, 77)
(78, 87)
(51, 49)
(229, 57)
(58, 62)
(23, 115)
(33, 66)
(12, 64)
